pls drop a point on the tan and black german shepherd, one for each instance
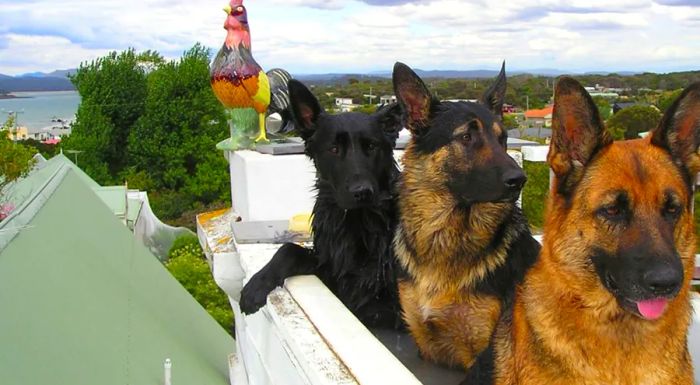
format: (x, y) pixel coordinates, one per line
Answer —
(461, 238)
(607, 302)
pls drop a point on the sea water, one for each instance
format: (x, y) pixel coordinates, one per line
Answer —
(36, 110)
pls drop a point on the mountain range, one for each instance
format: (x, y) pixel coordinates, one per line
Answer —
(37, 81)
(58, 80)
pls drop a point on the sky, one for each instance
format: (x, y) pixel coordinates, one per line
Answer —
(339, 36)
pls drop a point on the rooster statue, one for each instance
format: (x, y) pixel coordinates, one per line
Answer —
(242, 86)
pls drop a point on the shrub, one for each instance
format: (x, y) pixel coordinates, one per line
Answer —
(188, 266)
(535, 193)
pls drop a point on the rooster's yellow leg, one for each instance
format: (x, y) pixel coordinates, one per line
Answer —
(261, 136)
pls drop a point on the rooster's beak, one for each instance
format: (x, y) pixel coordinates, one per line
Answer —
(227, 9)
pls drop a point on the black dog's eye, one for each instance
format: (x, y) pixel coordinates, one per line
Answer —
(334, 149)
(371, 146)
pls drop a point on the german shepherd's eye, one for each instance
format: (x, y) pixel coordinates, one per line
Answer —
(466, 137)
(672, 210)
(614, 212)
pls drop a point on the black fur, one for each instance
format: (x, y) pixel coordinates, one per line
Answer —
(354, 214)
(522, 254)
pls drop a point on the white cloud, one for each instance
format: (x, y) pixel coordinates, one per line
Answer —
(356, 36)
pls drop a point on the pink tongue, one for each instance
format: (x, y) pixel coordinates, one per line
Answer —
(653, 308)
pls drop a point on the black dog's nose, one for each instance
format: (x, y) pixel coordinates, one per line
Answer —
(514, 180)
(663, 279)
(362, 192)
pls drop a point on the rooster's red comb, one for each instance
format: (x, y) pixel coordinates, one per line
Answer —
(235, 3)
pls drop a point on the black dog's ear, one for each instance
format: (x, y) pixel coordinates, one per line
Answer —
(496, 94)
(679, 130)
(305, 108)
(389, 119)
(577, 133)
(413, 96)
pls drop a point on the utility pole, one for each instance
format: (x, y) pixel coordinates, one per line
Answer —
(75, 155)
(370, 96)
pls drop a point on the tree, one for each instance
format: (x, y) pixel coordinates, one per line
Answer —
(510, 121)
(15, 162)
(113, 94)
(174, 140)
(630, 121)
(366, 109)
(667, 98)
(604, 107)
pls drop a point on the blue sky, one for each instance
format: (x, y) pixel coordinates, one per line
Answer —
(318, 36)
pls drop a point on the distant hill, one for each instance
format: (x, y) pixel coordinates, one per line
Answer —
(37, 81)
(340, 78)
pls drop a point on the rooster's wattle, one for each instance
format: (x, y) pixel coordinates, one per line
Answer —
(237, 79)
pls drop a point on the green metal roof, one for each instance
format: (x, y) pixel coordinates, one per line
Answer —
(83, 302)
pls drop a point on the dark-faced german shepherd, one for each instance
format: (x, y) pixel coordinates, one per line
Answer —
(354, 216)
(607, 302)
(461, 239)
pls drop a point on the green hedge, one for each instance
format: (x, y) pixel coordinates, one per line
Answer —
(535, 193)
(187, 264)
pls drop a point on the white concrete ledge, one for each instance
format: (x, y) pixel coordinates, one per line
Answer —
(370, 362)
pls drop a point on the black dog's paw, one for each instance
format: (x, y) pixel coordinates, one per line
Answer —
(254, 294)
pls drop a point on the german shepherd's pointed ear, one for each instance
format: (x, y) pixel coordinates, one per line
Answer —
(577, 133)
(389, 118)
(304, 107)
(495, 96)
(679, 130)
(413, 96)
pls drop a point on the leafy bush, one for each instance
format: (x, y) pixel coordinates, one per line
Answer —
(535, 193)
(630, 121)
(188, 266)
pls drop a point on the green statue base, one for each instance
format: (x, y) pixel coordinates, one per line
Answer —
(244, 126)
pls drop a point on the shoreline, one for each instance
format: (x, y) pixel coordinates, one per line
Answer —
(10, 96)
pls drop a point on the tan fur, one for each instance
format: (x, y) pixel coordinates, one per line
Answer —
(566, 328)
(442, 248)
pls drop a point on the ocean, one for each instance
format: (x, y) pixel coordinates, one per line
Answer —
(36, 109)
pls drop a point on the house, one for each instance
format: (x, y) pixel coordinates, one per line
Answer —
(84, 302)
(617, 106)
(539, 117)
(346, 104)
(508, 109)
(387, 99)
(18, 133)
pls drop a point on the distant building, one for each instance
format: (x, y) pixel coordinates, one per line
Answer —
(508, 109)
(345, 104)
(539, 117)
(387, 99)
(18, 133)
(608, 95)
(616, 107)
(461, 100)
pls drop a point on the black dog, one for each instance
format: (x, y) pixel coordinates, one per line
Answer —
(354, 216)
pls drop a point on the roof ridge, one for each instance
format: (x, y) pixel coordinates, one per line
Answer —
(25, 212)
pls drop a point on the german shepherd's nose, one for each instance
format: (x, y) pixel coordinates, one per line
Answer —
(362, 192)
(514, 180)
(663, 279)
